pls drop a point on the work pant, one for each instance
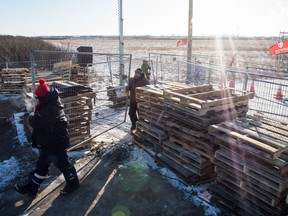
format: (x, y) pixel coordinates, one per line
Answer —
(133, 113)
(59, 158)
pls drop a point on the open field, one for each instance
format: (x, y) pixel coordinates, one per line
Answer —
(248, 50)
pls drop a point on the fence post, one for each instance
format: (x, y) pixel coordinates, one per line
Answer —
(178, 69)
(210, 70)
(109, 66)
(245, 81)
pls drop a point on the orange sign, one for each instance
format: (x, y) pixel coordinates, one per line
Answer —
(279, 48)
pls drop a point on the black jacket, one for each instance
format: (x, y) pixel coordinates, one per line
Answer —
(50, 128)
(134, 83)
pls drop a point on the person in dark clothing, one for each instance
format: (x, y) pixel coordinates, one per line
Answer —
(50, 136)
(146, 69)
(138, 80)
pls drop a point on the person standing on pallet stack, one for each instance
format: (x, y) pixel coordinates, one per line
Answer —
(139, 80)
(146, 69)
(50, 136)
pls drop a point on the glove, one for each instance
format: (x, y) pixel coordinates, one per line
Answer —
(127, 90)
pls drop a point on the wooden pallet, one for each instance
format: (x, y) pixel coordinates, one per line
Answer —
(242, 206)
(153, 130)
(63, 69)
(201, 103)
(15, 71)
(194, 145)
(273, 184)
(188, 160)
(255, 137)
(150, 95)
(12, 80)
(144, 143)
(186, 174)
(151, 114)
(146, 140)
(204, 121)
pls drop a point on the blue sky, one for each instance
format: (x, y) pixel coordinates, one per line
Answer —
(143, 17)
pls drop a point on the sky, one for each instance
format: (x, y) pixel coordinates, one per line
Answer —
(143, 17)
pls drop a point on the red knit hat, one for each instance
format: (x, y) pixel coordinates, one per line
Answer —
(42, 89)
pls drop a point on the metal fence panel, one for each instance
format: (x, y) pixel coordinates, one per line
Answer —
(94, 90)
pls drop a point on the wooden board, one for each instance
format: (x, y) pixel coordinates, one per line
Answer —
(253, 174)
(153, 130)
(244, 206)
(263, 138)
(206, 101)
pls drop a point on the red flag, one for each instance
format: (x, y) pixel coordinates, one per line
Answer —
(279, 48)
(182, 42)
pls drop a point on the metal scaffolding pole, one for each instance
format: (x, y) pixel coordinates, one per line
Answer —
(121, 44)
(189, 43)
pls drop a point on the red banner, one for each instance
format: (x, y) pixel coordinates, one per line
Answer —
(279, 48)
(182, 42)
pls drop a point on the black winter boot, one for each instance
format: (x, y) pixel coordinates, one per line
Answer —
(70, 186)
(31, 189)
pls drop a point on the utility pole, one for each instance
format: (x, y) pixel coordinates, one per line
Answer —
(189, 43)
(121, 44)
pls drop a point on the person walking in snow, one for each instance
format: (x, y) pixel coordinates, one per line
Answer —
(146, 69)
(50, 136)
(138, 80)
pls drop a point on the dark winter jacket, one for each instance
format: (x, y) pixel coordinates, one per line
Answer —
(50, 128)
(133, 83)
(145, 68)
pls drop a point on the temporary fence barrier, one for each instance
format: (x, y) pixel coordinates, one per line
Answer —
(92, 92)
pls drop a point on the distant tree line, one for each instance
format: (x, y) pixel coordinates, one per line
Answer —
(17, 48)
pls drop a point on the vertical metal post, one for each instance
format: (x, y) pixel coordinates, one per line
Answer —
(32, 63)
(178, 69)
(121, 44)
(110, 68)
(161, 68)
(157, 62)
(189, 42)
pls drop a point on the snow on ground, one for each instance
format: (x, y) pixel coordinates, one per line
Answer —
(20, 129)
(6, 167)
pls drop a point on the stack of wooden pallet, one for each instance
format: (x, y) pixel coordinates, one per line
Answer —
(12, 80)
(63, 69)
(48, 76)
(80, 74)
(252, 165)
(190, 111)
(188, 151)
(180, 118)
(150, 128)
(204, 105)
(77, 100)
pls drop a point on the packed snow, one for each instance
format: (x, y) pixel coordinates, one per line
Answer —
(6, 167)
